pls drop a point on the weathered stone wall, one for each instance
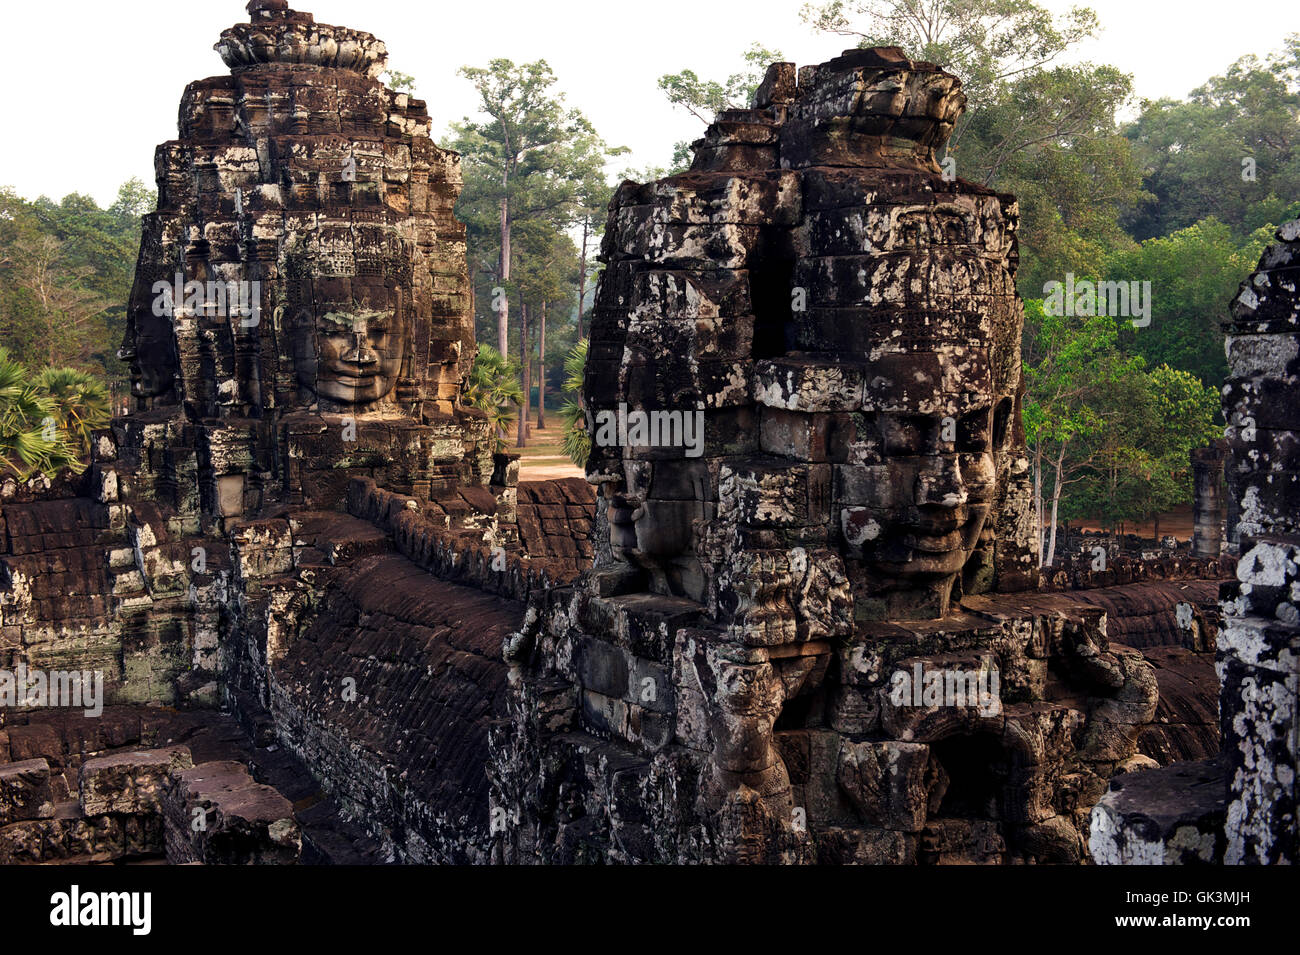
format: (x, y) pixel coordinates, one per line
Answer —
(1260, 643)
(143, 784)
(387, 692)
(1240, 807)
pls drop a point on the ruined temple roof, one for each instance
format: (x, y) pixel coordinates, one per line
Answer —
(280, 36)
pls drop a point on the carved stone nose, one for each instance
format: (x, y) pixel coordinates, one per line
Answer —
(939, 483)
(362, 353)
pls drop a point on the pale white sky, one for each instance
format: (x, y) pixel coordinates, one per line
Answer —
(95, 84)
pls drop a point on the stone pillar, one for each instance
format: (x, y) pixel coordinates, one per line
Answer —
(1207, 513)
(1240, 807)
(1259, 647)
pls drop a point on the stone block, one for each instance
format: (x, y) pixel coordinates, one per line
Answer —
(129, 783)
(25, 791)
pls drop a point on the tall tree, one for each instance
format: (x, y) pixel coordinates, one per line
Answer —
(548, 268)
(531, 158)
(1070, 364)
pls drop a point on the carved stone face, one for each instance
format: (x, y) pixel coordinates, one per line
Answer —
(923, 517)
(915, 508)
(149, 349)
(352, 321)
(350, 354)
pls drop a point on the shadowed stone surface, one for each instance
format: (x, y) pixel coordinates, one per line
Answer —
(1169, 816)
(1259, 648)
(407, 741)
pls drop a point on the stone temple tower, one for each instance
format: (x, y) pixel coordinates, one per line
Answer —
(805, 381)
(300, 309)
(300, 317)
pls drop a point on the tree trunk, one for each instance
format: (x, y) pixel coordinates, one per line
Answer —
(525, 366)
(1056, 503)
(582, 274)
(541, 369)
(1157, 529)
(503, 316)
(1038, 497)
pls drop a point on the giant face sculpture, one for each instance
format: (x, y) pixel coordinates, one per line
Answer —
(938, 397)
(918, 510)
(870, 301)
(351, 327)
(149, 349)
(351, 354)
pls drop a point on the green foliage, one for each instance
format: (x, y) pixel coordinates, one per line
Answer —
(704, 99)
(1140, 464)
(493, 386)
(396, 80)
(65, 274)
(531, 165)
(1192, 152)
(988, 43)
(577, 439)
(1194, 274)
(1102, 427)
(1069, 363)
(45, 422)
(80, 402)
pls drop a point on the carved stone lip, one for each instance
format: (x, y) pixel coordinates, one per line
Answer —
(358, 376)
(357, 383)
(934, 543)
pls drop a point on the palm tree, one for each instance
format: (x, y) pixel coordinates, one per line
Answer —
(493, 387)
(31, 439)
(81, 403)
(577, 440)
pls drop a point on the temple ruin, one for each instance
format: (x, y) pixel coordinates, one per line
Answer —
(798, 619)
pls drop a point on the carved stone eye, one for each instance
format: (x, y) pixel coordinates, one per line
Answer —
(1002, 423)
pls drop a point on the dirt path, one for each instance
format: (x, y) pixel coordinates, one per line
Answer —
(1177, 522)
(543, 459)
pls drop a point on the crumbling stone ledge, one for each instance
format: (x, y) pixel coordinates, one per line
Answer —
(1076, 572)
(458, 556)
(1169, 816)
